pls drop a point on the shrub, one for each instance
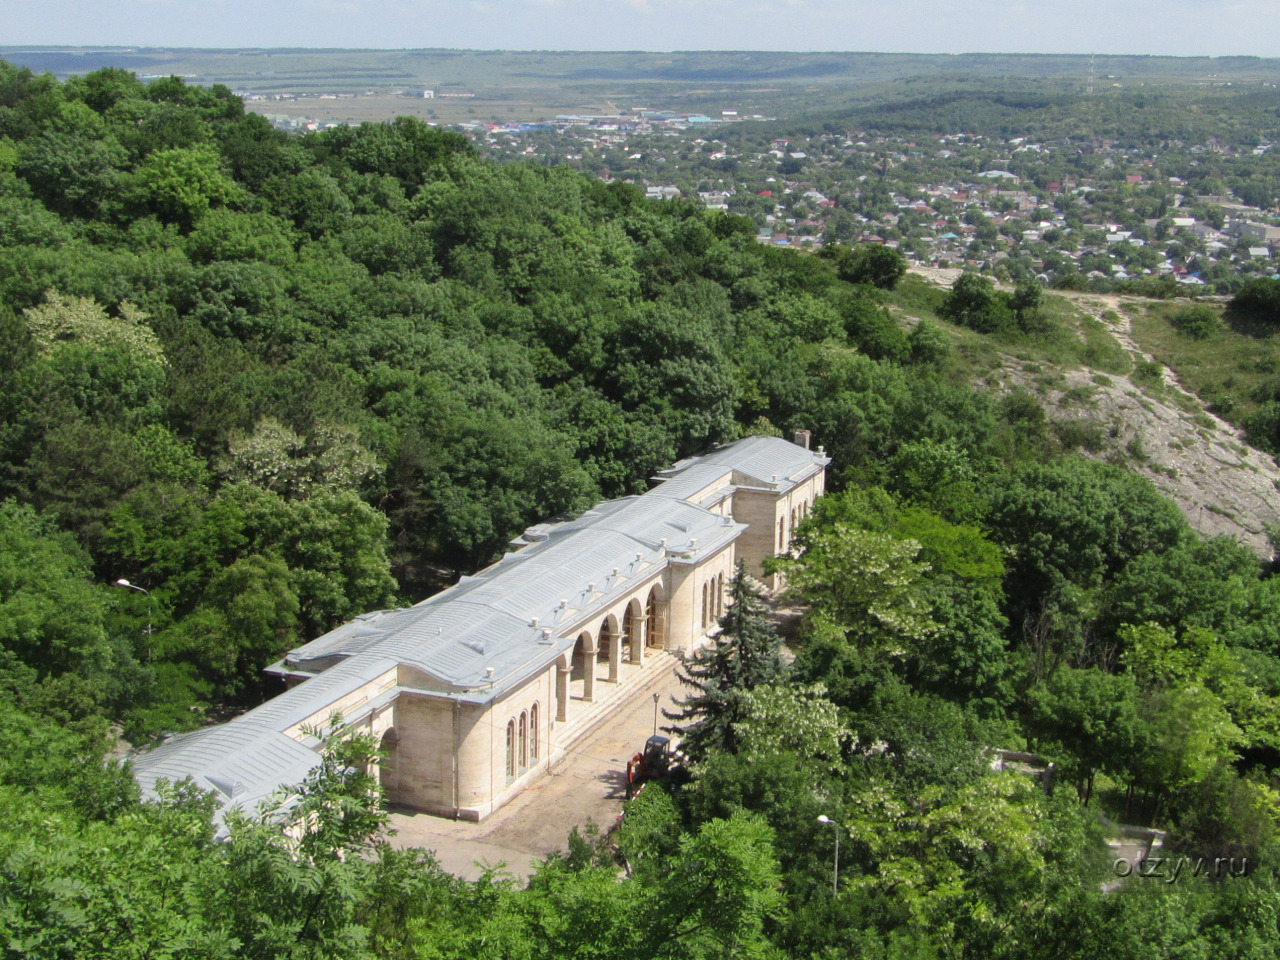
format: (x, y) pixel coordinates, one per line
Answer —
(1199, 322)
(1148, 372)
(1071, 281)
(881, 267)
(1259, 299)
(974, 302)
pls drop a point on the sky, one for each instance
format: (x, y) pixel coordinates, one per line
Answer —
(1158, 27)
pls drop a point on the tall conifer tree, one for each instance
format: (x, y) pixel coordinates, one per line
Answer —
(745, 654)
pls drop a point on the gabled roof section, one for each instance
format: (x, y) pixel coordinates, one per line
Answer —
(241, 763)
(763, 462)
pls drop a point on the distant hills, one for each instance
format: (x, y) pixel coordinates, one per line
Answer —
(283, 69)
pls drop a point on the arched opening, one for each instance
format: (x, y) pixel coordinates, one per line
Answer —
(706, 590)
(511, 750)
(533, 734)
(656, 614)
(611, 647)
(720, 595)
(602, 643)
(782, 534)
(583, 680)
(633, 628)
(524, 742)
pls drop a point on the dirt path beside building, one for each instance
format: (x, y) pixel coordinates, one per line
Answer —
(587, 784)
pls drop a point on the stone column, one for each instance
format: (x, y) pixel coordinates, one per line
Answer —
(589, 672)
(563, 671)
(638, 628)
(615, 657)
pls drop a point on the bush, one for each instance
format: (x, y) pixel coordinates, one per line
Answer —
(1259, 299)
(1027, 303)
(1071, 281)
(1149, 372)
(880, 266)
(928, 343)
(974, 302)
(1199, 322)
(1079, 433)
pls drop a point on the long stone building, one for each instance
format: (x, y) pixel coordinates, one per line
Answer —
(478, 690)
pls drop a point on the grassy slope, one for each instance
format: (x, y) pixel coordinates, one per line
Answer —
(1225, 371)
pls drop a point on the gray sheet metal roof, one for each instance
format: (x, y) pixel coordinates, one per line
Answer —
(242, 763)
(757, 461)
(508, 618)
(487, 621)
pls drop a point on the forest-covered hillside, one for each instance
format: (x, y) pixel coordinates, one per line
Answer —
(276, 381)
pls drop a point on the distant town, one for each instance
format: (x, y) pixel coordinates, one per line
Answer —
(1103, 212)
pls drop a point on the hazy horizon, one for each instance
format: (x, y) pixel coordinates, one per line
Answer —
(1182, 28)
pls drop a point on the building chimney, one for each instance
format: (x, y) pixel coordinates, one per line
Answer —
(802, 439)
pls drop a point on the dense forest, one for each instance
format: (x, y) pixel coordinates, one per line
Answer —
(275, 381)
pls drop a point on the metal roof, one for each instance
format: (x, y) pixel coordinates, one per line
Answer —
(767, 462)
(242, 763)
(488, 620)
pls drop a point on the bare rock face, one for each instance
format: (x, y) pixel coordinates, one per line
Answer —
(1156, 428)
(1162, 431)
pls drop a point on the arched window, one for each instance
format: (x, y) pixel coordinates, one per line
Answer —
(533, 734)
(782, 534)
(511, 749)
(705, 591)
(720, 595)
(524, 741)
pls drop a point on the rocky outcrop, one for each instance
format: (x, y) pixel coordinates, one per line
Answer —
(1164, 432)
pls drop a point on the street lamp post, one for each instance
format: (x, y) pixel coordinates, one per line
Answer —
(122, 582)
(655, 714)
(835, 867)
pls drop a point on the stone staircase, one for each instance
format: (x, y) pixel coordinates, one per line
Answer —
(634, 683)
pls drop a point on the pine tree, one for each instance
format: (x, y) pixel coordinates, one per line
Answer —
(745, 654)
